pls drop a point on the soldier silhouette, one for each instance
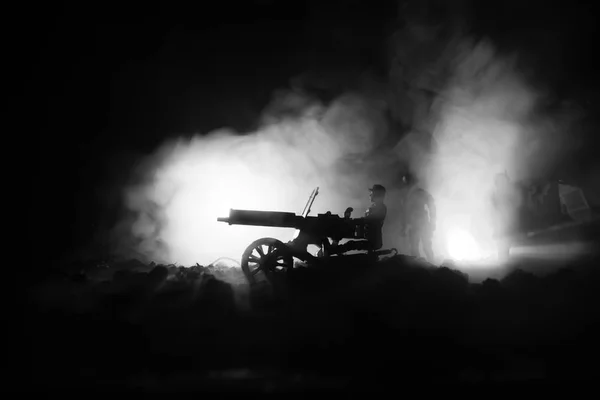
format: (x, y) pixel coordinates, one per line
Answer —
(373, 223)
(418, 218)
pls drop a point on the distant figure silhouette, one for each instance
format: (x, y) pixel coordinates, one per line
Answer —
(373, 223)
(418, 218)
(506, 201)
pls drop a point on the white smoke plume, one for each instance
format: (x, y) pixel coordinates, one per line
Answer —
(483, 115)
(469, 113)
(483, 119)
(190, 182)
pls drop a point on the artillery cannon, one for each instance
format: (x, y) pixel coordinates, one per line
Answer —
(271, 256)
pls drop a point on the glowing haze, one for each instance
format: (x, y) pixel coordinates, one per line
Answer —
(484, 116)
(191, 182)
(480, 118)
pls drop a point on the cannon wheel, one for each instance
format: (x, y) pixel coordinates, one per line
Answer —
(266, 255)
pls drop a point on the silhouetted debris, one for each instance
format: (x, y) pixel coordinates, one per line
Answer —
(520, 280)
(216, 297)
(402, 317)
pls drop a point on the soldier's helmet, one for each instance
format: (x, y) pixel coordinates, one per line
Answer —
(378, 190)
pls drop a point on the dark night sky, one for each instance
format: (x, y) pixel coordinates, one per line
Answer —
(113, 83)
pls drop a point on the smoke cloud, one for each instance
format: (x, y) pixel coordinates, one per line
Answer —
(466, 112)
(472, 114)
(188, 183)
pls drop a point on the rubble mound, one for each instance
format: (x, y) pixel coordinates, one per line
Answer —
(143, 326)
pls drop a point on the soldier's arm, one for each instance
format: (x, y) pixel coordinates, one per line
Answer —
(375, 213)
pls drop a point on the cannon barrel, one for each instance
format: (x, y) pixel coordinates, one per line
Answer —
(262, 218)
(322, 225)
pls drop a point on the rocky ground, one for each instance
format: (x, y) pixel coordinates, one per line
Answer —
(348, 325)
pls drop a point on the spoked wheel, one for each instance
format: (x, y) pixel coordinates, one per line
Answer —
(264, 258)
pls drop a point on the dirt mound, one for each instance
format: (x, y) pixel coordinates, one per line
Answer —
(154, 326)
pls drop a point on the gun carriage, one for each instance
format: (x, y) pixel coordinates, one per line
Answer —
(270, 256)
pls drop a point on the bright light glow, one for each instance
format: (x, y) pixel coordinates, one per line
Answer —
(193, 182)
(480, 124)
(483, 125)
(462, 246)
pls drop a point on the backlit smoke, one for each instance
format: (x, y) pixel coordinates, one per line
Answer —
(191, 182)
(472, 115)
(484, 117)
(468, 114)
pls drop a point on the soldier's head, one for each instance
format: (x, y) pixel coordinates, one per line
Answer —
(348, 212)
(377, 193)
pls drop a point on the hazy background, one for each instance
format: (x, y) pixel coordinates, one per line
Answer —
(159, 127)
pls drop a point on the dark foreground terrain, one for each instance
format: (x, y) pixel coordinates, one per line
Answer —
(396, 323)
